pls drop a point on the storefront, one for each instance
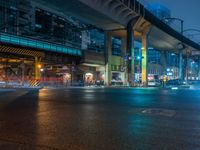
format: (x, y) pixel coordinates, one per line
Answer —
(89, 78)
(92, 75)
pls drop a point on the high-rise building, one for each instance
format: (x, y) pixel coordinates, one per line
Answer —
(159, 10)
(15, 16)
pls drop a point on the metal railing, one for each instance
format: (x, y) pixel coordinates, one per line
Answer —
(135, 6)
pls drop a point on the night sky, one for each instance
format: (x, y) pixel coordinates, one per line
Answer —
(188, 10)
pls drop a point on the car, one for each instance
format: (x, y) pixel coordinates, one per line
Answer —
(177, 83)
(154, 83)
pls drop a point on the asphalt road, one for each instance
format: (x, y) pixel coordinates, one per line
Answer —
(100, 119)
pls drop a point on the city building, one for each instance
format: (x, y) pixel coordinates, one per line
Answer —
(41, 43)
(34, 21)
(159, 10)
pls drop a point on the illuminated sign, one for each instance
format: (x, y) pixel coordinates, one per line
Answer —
(18, 40)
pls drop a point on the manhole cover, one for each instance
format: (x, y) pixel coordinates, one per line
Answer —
(159, 112)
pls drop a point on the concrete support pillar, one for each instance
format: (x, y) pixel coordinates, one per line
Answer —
(180, 69)
(144, 60)
(23, 67)
(186, 68)
(37, 68)
(163, 60)
(108, 54)
(124, 50)
(130, 52)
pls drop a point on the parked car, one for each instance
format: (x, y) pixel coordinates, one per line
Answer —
(154, 83)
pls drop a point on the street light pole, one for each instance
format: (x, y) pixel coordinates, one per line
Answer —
(182, 26)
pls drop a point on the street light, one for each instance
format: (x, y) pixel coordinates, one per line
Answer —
(138, 57)
(166, 19)
(39, 66)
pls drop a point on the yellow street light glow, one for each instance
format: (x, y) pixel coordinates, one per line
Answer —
(39, 66)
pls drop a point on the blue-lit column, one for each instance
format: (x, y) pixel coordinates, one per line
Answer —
(108, 53)
(180, 69)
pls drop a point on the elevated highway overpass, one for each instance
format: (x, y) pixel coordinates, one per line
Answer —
(129, 19)
(116, 14)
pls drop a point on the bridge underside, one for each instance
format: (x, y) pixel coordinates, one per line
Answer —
(111, 15)
(82, 12)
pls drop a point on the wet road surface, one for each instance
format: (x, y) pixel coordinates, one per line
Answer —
(100, 119)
